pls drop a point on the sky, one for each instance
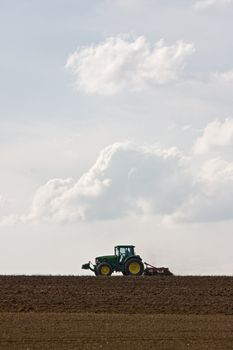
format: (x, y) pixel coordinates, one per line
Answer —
(116, 127)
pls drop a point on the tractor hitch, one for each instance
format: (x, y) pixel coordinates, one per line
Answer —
(89, 266)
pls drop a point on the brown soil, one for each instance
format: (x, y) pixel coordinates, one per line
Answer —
(116, 312)
(148, 295)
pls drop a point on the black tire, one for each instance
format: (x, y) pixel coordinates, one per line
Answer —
(134, 267)
(104, 269)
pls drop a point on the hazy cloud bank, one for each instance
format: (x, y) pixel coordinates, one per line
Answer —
(203, 4)
(226, 77)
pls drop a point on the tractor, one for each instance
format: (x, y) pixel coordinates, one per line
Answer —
(124, 260)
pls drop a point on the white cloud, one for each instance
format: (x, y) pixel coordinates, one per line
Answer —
(132, 180)
(213, 198)
(226, 76)
(4, 200)
(203, 4)
(6, 203)
(216, 135)
(126, 179)
(9, 220)
(119, 63)
(216, 170)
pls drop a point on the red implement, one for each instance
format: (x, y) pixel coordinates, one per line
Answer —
(156, 271)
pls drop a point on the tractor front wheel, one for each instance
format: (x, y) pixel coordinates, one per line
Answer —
(134, 267)
(104, 269)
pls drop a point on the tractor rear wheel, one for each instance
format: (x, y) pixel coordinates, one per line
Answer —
(134, 267)
(104, 269)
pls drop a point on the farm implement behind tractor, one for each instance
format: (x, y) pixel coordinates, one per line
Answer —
(126, 261)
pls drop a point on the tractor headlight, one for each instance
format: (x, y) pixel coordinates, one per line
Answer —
(97, 261)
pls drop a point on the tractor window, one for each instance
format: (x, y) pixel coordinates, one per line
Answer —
(125, 252)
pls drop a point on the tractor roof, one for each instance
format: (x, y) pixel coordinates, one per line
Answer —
(124, 245)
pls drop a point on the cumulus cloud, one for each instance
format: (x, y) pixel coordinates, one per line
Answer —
(203, 4)
(213, 198)
(119, 63)
(129, 179)
(126, 179)
(216, 135)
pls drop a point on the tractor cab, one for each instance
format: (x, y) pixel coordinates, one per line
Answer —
(123, 252)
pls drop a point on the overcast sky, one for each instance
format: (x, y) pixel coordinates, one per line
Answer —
(116, 127)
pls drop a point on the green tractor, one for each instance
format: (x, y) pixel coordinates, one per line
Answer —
(124, 260)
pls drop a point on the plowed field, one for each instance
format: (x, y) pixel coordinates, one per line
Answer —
(116, 312)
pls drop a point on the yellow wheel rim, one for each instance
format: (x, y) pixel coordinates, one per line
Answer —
(105, 270)
(134, 268)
